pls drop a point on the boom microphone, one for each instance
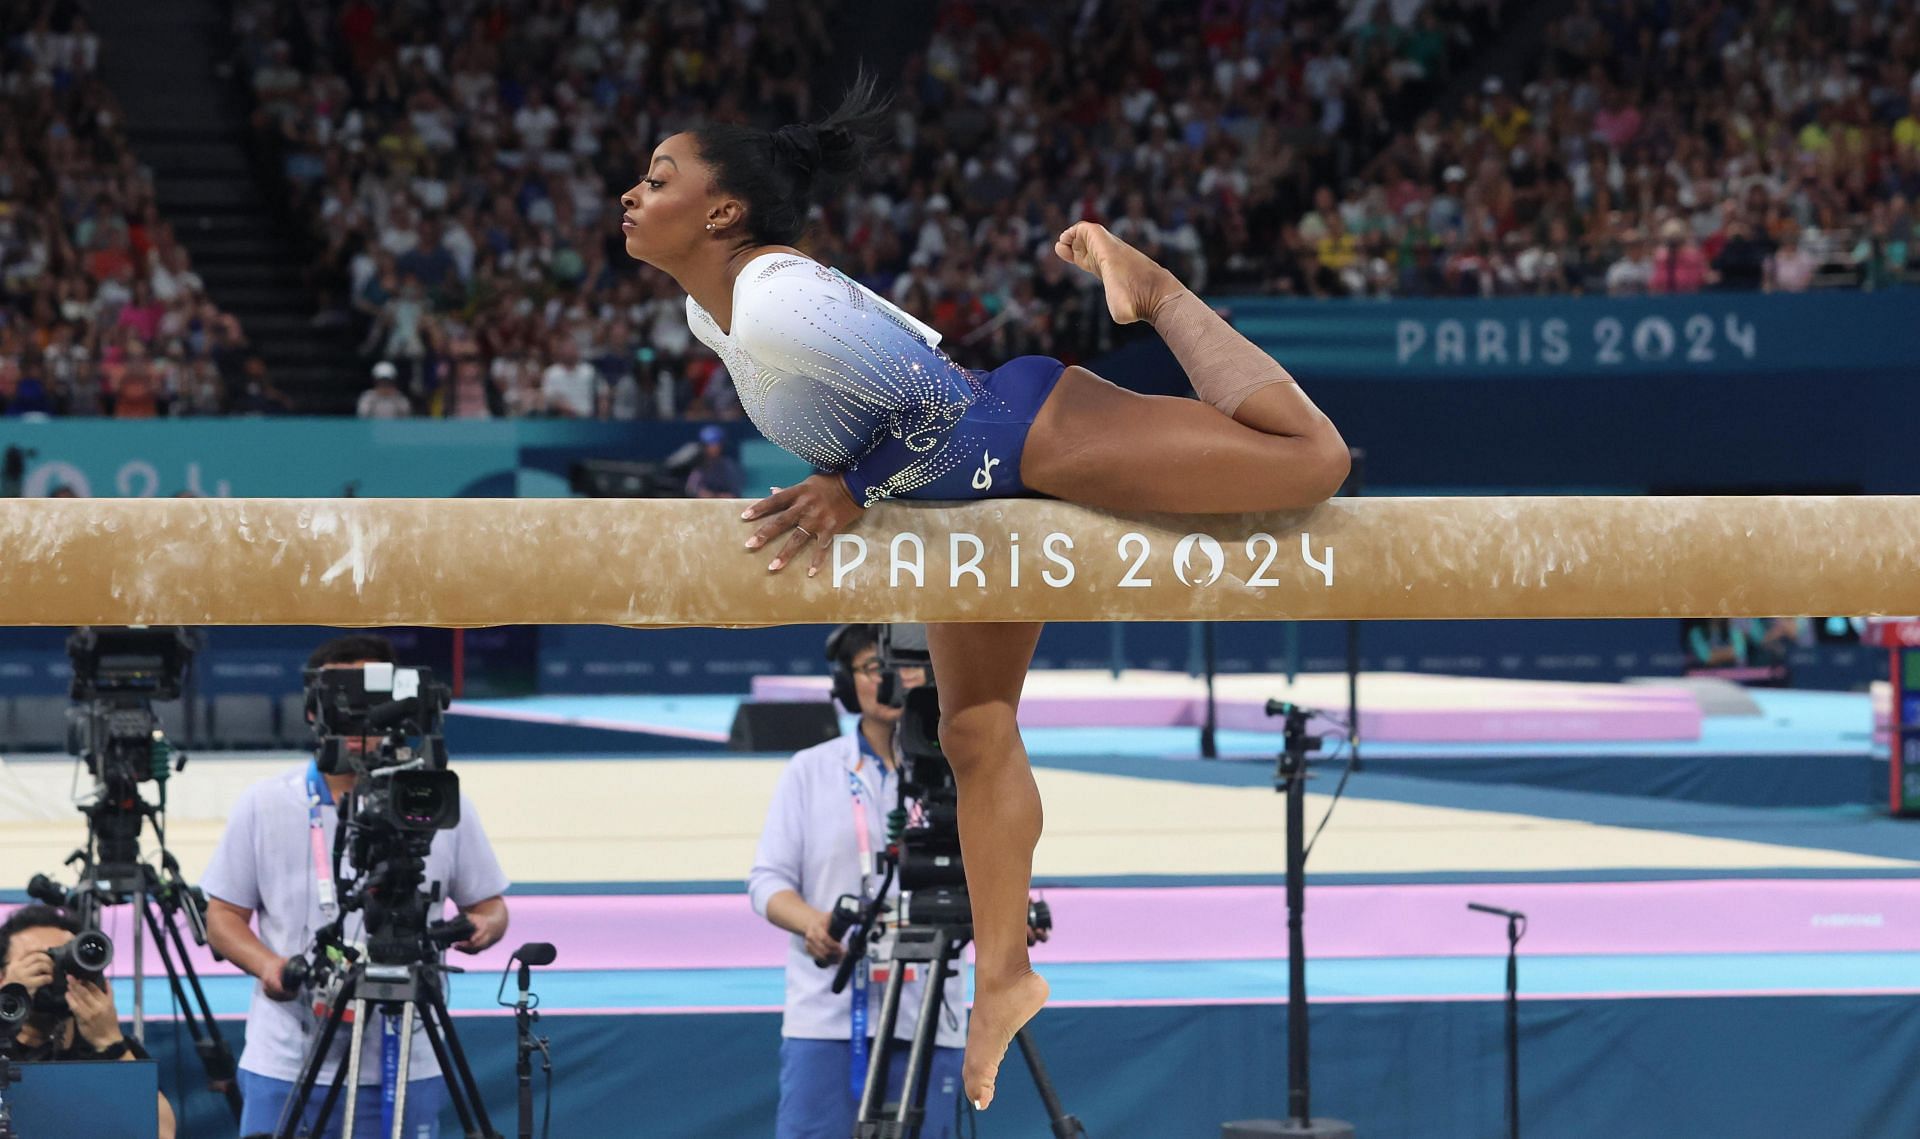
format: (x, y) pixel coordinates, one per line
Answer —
(536, 953)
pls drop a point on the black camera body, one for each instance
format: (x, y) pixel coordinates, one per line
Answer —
(383, 706)
(135, 662)
(366, 720)
(931, 872)
(386, 725)
(118, 674)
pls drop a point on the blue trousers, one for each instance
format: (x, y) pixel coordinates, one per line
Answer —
(262, 1097)
(816, 1090)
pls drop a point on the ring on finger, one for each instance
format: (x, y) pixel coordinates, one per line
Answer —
(807, 532)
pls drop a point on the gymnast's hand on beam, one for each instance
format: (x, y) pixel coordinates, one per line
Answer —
(811, 513)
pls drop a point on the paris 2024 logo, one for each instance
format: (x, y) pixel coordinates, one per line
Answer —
(1056, 560)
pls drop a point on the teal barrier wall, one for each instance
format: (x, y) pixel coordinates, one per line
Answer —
(1805, 391)
(1712, 393)
(299, 458)
(1705, 334)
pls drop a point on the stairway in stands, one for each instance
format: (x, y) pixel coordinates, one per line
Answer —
(169, 65)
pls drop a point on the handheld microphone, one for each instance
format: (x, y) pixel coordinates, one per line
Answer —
(1497, 911)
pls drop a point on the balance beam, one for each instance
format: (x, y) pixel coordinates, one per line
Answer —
(475, 562)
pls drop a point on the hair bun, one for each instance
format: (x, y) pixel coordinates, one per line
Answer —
(799, 146)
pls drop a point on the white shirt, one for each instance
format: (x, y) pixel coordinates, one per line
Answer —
(376, 404)
(808, 846)
(571, 388)
(264, 863)
(1628, 277)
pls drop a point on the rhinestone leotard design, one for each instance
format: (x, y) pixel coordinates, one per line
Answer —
(827, 370)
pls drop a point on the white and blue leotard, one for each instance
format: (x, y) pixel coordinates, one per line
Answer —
(854, 386)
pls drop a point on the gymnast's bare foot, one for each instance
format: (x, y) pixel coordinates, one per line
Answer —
(1137, 285)
(999, 1013)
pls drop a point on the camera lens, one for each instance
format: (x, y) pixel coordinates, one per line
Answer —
(91, 952)
(15, 1004)
(418, 801)
(45, 890)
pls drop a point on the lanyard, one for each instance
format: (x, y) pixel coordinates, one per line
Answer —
(862, 972)
(862, 835)
(389, 1071)
(318, 794)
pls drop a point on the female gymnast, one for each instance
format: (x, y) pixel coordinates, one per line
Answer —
(858, 389)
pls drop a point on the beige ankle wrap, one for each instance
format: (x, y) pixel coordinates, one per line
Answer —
(1225, 367)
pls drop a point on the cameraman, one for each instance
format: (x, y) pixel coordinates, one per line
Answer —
(82, 1024)
(809, 855)
(270, 862)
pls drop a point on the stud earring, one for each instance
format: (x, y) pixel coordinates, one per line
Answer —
(709, 225)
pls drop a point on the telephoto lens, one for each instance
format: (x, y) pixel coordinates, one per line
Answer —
(87, 955)
(46, 891)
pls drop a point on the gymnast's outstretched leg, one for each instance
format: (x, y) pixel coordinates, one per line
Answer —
(980, 670)
(1254, 442)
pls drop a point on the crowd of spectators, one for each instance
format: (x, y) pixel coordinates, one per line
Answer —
(101, 312)
(459, 163)
(1662, 146)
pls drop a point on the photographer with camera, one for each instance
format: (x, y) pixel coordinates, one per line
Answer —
(274, 860)
(72, 1017)
(828, 817)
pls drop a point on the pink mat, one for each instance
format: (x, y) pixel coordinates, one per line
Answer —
(1716, 916)
(1743, 915)
(1413, 710)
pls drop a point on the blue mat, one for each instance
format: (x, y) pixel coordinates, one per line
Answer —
(1752, 1068)
(1805, 749)
(1790, 723)
(634, 990)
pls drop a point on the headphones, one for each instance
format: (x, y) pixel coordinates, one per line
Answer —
(844, 692)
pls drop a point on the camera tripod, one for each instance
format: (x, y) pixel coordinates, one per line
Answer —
(112, 874)
(413, 989)
(937, 948)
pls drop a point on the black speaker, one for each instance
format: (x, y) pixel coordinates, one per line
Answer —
(782, 725)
